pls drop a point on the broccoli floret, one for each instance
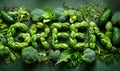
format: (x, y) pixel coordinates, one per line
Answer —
(62, 18)
(37, 14)
(88, 55)
(54, 54)
(116, 18)
(60, 14)
(29, 55)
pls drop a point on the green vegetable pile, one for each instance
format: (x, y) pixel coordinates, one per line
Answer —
(73, 36)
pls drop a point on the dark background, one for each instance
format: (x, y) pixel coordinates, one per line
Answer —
(31, 4)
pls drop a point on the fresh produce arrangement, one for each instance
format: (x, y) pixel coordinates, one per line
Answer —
(63, 35)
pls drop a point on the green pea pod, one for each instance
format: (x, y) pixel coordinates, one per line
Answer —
(81, 46)
(54, 37)
(100, 34)
(73, 19)
(63, 35)
(40, 25)
(26, 37)
(63, 46)
(20, 26)
(92, 24)
(82, 24)
(45, 44)
(56, 25)
(91, 30)
(92, 38)
(11, 41)
(47, 30)
(72, 34)
(108, 28)
(54, 31)
(54, 42)
(80, 35)
(43, 34)
(65, 25)
(42, 39)
(33, 29)
(56, 46)
(107, 42)
(72, 27)
(34, 44)
(92, 45)
(97, 30)
(33, 39)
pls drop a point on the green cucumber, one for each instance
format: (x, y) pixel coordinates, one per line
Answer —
(104, 17)
(116, 36)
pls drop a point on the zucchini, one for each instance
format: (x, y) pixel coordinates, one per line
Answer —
(104, 17)
(7, 17)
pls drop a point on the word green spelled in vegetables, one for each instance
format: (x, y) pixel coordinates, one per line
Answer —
(72, 36)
